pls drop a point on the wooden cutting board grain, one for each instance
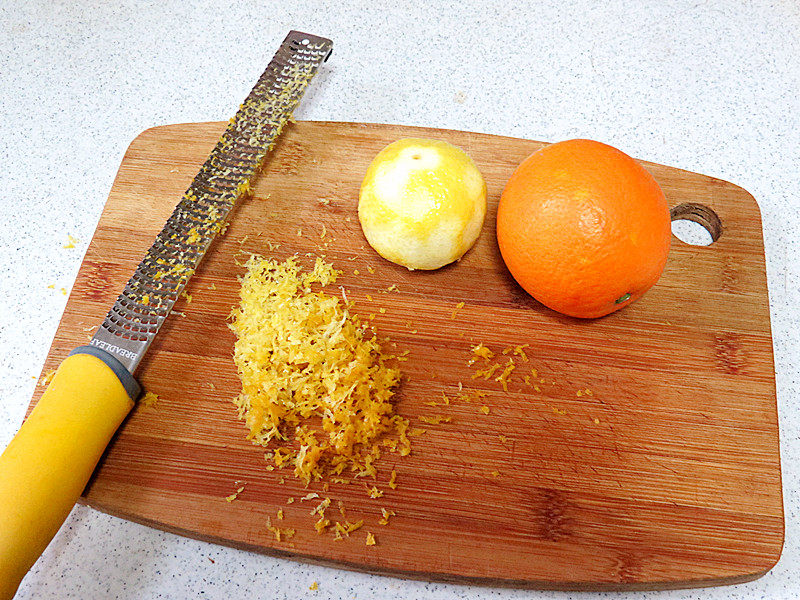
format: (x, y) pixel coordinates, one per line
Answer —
(665, 474)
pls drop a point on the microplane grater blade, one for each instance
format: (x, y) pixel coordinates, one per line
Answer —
(136, 316)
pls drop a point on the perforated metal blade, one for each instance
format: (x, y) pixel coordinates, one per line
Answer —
(136, 316)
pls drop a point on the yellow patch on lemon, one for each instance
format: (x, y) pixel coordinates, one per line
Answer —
(422, 203)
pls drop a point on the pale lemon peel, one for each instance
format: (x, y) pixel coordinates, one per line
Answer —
(422, 203)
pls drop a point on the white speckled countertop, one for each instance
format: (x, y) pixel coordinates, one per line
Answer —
(712, 87)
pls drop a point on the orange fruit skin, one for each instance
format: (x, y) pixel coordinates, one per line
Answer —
(581, 224)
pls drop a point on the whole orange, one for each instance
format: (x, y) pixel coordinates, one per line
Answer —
(583, 228)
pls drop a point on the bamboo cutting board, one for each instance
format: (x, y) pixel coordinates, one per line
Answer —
(664, 474)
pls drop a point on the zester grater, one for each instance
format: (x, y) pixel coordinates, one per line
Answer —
(49, 461)
(136, 316)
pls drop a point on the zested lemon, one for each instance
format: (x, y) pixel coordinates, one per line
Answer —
(422, 203)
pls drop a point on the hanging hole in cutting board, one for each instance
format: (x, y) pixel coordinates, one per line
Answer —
(695, 224)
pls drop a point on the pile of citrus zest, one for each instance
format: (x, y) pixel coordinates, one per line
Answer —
(150, 400)
(370, 539)
(315, 381)
(374, 492)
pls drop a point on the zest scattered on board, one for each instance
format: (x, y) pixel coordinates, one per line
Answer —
(318, 389)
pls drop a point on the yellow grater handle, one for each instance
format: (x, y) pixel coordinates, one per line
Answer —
(48, 463)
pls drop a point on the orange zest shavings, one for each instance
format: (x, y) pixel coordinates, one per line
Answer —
(343, 530)
(320, 509)
(435, 419)
(386, 515)
(503, 377)
(235, 494)
(150, 400)
(322, 525)
(487, 372)
(304, 359)
(47, 377)
(281, 534)
(480, 351)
